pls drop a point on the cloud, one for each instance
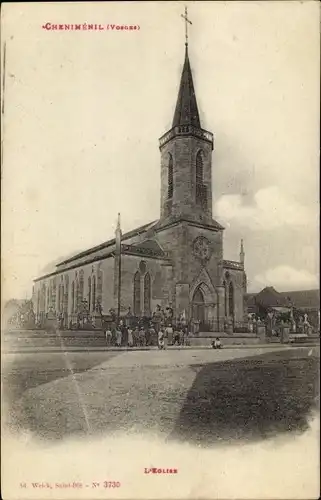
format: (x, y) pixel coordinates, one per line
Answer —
(271, 209)
(285, 278)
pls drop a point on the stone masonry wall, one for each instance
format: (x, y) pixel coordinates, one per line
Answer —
(184, 151)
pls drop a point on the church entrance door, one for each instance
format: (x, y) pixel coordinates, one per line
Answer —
(198, 307)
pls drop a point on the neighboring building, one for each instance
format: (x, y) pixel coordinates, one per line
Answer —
(302, 302)
(176, 260)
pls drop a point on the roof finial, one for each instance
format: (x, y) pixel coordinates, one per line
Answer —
(118, 222)
(242, 253)
(186, 26)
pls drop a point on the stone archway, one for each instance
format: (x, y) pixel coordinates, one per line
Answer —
(204, 303)
(198, 306)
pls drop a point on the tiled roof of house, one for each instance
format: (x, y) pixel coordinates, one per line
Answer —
(300, 299)
(304, 298)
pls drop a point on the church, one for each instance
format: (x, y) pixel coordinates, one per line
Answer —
(174, 262)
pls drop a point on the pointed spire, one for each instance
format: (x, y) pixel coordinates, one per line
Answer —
(186, 111)
(118, 235)
(118, 222)
(242, 254)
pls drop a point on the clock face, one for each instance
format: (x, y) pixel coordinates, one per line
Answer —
(202, 248)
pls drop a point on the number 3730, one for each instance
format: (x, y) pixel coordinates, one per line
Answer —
(111, 484)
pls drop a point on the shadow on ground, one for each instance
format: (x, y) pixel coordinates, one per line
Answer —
(250, 399)
(27, 371)
(242, 399)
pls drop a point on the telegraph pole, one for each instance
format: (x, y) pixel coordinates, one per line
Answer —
(118, 254)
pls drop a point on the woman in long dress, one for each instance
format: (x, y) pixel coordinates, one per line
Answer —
(118, 337)
(130, 337)
(136, 337)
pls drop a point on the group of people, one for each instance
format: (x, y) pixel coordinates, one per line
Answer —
(130, 337)
(127, 336)
(170, 336)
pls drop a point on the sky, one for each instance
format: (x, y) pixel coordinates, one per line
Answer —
(84, 111)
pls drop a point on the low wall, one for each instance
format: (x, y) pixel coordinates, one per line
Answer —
(91, 340)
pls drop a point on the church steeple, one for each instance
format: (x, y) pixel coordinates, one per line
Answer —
(186, 156)
(186, 111)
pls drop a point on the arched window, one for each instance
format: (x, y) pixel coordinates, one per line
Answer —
(231, 300)
(94, 293)
(61, 294)
(77, 296)
(199, 168)
(201, 193)
(198, 306)
(99, 284)
(54, 291)
(198, 297)
(61, 303)
(81, 286)
(137, 294)
(89, 294)
(73, 297)
(225, 298)
(170, 176)
(147, 292)
(66, 296)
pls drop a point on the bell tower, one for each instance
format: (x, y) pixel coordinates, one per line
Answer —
(186, 157)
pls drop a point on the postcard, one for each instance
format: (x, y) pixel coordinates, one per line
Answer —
(160, 256)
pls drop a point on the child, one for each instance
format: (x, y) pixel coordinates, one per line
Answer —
(216, 344)
(176, 337)
(108, 336)
(161, 343)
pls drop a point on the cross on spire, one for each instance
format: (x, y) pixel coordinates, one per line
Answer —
(186, 26)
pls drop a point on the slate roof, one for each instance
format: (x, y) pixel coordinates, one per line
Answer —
(108, 243)
(150, 245)
(269, 297)
(186, 111)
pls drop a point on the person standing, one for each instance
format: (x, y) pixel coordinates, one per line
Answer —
(130, 337)
(136, 337)
(181, 336)
(166, 337)
(142, 338)
(147, 336)
(169, 334)
(113, 335)
(118, 337)
(124, 332)
(176, 337)
(161, 343)
(152, 335)
(187, 337)
(108, 336)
